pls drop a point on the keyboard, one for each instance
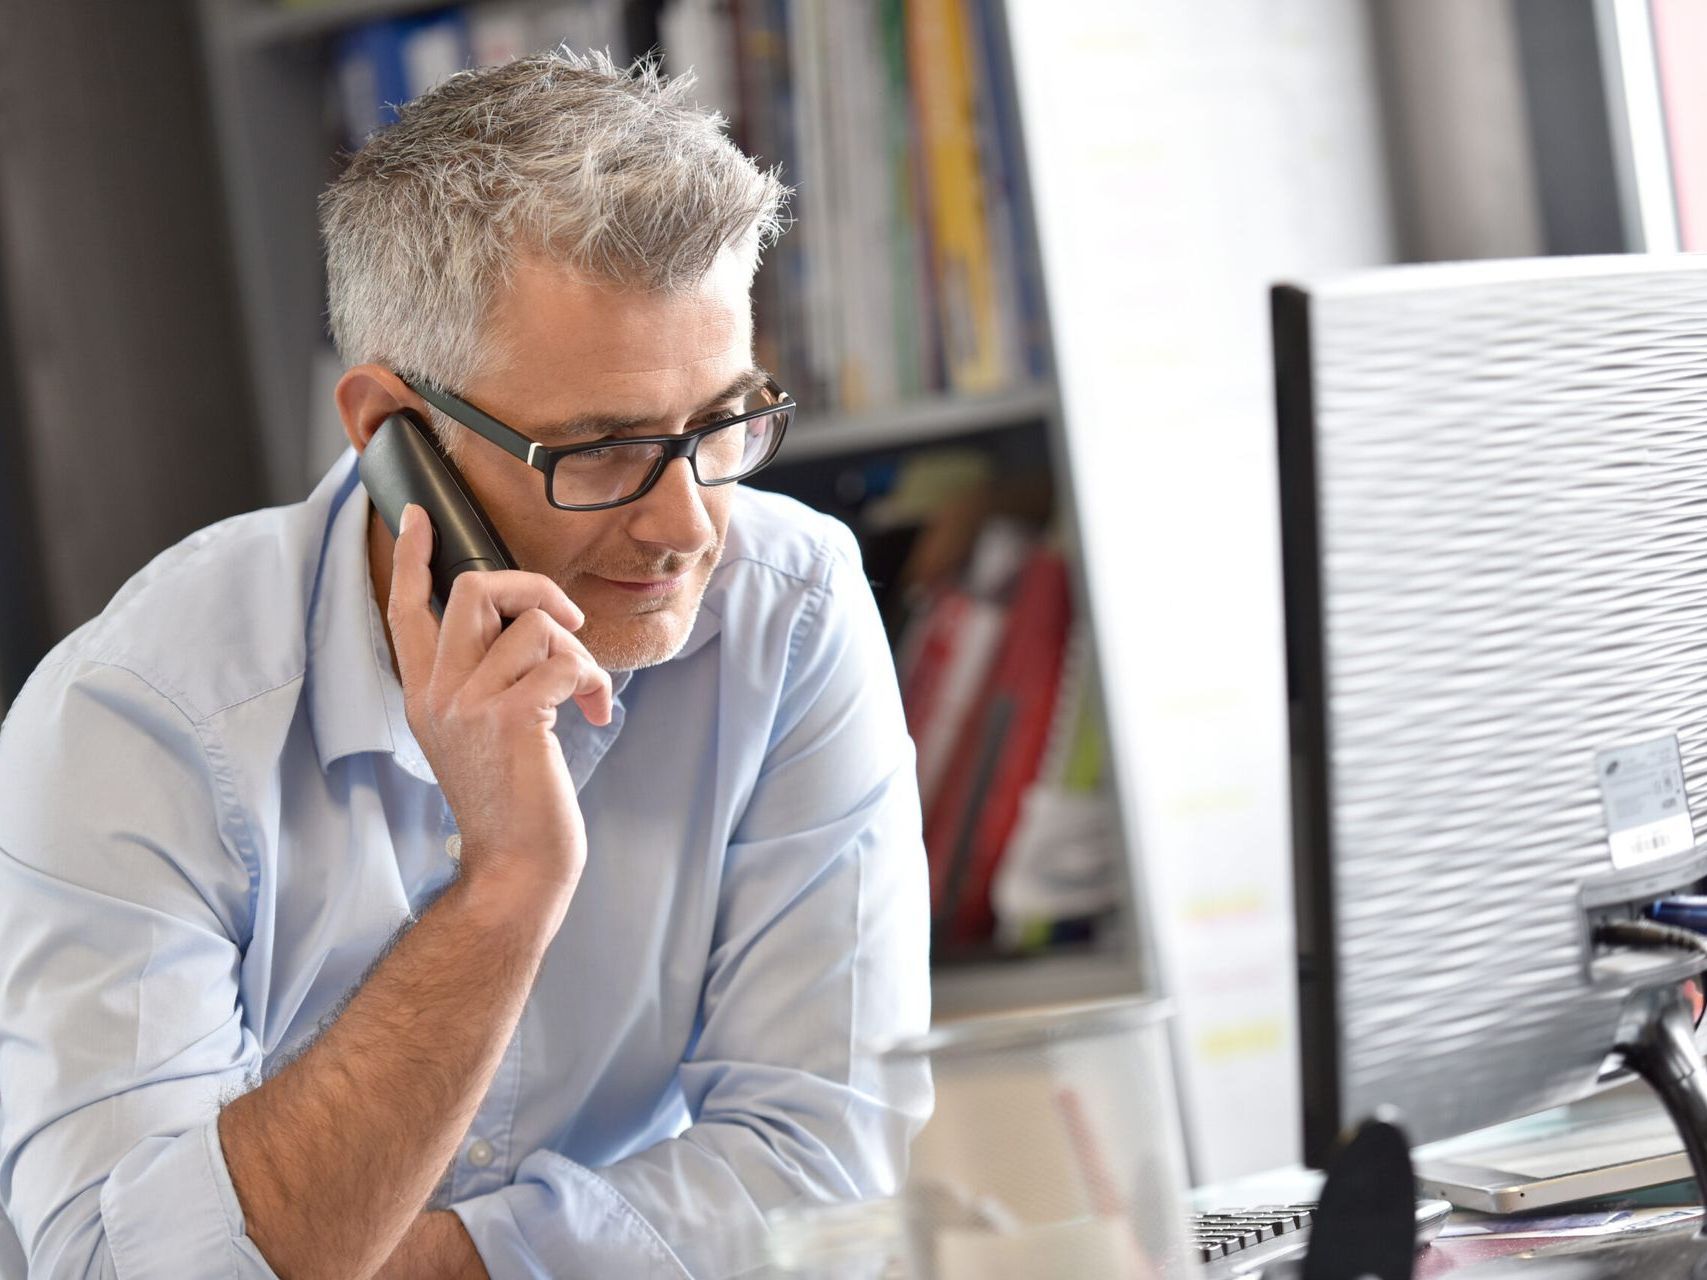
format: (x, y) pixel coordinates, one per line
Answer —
(1237, 1242)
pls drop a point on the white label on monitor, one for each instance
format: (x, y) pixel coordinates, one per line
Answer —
(1647, 811)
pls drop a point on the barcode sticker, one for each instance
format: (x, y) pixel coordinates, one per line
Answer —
(1647, 810)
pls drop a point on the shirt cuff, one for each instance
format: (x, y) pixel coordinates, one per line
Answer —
(169, 1210)
(559, 1218)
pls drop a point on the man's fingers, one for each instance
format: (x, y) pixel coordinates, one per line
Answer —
(564, 676)
(414, 630)
(478, 604)
(531, 639)
(469, 649)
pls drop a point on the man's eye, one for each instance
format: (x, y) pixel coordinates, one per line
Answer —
(590, 458)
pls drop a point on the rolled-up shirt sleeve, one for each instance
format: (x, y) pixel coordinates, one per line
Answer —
(819, 962)
(123, 895)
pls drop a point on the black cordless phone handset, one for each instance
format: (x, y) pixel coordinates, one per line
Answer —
(402, 464)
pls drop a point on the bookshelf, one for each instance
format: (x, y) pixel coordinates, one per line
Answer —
(269, 74)
(1006, 986)
(924, 421)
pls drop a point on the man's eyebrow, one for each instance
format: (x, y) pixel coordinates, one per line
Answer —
(605, 424)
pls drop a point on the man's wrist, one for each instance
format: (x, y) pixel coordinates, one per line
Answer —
(525, 914)
(437, 1247)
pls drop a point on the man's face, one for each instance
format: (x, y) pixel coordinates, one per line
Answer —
(571, 352)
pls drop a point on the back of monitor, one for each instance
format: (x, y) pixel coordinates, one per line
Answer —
(1494, 487)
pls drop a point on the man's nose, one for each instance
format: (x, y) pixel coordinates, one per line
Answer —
(673, 513)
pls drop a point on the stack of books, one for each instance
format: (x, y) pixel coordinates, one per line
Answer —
(907, 272)
(381, 64)
(1000, 702)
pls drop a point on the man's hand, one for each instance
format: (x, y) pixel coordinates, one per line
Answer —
(334, 1158)
(482, 700)
(436, 1248)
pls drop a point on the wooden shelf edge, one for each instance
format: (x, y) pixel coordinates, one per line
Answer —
(916, 422)
(966, 991)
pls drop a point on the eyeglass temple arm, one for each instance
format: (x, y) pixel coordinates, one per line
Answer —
(506, 438)
(514, 442)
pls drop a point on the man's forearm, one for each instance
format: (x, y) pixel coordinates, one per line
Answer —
(436, 1247)
(335, 1157)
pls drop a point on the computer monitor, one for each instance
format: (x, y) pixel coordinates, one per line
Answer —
(1494, 495)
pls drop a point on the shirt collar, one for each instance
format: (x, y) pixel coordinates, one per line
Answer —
(354, 697)
(347, 654)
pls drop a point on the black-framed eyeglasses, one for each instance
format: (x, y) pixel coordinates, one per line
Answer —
(607, 473)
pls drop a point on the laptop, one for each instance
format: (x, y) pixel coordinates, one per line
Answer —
(1617, 1141)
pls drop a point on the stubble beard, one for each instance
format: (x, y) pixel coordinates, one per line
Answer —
(626, 641)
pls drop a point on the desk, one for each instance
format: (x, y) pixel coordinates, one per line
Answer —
(1450, 1254)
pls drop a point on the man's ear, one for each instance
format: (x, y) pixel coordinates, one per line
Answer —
(367, 395)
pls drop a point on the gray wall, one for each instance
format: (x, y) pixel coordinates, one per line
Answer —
(1497, 128)
(133, 415)
(1457, 130)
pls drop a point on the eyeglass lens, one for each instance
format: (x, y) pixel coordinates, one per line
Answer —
(619, 470)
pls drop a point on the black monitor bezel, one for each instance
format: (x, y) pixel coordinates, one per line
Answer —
(1306, 683)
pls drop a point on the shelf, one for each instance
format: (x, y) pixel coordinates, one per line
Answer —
(919, 422)
(1006, 986)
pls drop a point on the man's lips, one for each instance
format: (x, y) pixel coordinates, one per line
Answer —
(647, 587)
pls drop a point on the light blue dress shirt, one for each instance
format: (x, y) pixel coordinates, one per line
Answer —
(213, 816)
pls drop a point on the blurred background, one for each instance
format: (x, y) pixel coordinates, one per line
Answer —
(1023, 306)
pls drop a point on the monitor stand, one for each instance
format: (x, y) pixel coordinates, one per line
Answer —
(1658, 1044)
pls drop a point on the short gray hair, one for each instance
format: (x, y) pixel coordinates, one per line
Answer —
(610, 171)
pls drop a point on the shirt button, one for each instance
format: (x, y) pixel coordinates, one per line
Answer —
(453, 846)
(480, 1153)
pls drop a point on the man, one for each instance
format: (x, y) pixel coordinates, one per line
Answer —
(655, 841)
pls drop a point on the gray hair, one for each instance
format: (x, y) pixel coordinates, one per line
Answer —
(609, 171)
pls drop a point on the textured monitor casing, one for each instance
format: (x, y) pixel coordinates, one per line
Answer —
(1494, 494)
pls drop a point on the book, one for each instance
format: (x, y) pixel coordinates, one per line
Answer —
(1060, 874)
(951, 821)
(860, 192)
(815, 214)
(367, 70)
(945, 97)
(766, 131)
(1026, 675)
(1020, 292)
(760, 58)
(378, 66)
(433, 49)
(912, 332)
(907, 268)
(998, 751)
(958, 641)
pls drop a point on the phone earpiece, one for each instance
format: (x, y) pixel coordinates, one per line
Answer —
(402, 464)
